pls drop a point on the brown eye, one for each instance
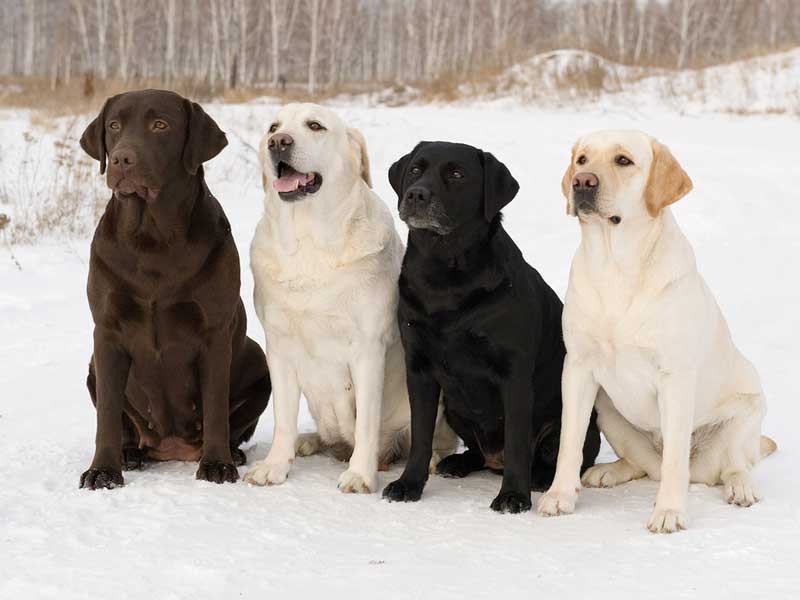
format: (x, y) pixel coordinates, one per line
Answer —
(114, 125)
(315, 126)
(623, 161)
(273, 128)
(160, 125)
(581, 159)
(415, 170)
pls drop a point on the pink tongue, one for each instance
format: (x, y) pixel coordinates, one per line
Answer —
(289, 183)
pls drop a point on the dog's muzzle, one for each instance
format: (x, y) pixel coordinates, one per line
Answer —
(290, 184)
(125, 177)
(584, 192)
(419, 210)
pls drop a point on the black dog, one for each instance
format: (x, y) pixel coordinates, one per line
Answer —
(173, 375)
(479, 325)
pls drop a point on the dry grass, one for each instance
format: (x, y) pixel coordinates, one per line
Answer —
(56, 191)
(86, 95)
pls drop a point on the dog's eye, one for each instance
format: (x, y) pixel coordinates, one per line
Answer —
(415, 170)
(273, 128)
(315, 126)
(160, 125)
(623, 161)
(456, 174)
(114, 125)
(581, 159)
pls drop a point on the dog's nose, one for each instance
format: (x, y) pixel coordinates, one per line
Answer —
(280, 142)
(124, 158)
(417, 194)
(585, 181)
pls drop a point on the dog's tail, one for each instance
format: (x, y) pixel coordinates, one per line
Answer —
(768, 446)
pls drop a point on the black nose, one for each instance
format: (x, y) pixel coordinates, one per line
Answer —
(123, 158)
(585, 181)
(279, 142)
(417, 194)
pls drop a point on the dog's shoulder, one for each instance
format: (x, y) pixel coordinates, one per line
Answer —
(370, 233)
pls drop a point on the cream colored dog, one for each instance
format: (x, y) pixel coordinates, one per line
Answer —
(646, 342)
(326, 259)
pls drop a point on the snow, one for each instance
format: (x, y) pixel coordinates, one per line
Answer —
(165, 535)
(766, 84)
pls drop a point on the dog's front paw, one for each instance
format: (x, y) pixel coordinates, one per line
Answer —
(554, 502)
(403, 491)
(132, 459)
(353, 482)
(265, 473)
(666, 520)
(216, 472)
(739, 490)
(511, 502)
(96, 479)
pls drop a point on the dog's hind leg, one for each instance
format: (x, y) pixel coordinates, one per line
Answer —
(638, 456)
(308, 444)
(459, 465)
(731, 450)
(246, 408)
(445, 440)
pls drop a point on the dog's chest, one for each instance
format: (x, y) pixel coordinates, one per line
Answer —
(465, 361)
(308, 303)
(619, 348)
(151, 322)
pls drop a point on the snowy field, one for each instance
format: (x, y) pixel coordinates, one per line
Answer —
(166, 536)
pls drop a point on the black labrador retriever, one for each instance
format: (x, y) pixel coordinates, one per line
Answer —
(173, 375)
(480, 327)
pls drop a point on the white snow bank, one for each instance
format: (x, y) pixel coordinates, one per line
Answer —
(165, 535)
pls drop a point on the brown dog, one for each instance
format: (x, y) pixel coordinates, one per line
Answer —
(173, 375)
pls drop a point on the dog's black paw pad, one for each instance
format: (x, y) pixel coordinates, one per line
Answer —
(217, 472)
(96, 479)
(239, 457)
(402, 491)
(511, 502)
(132, 459)
(455, 465)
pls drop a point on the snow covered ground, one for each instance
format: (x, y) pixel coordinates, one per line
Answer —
(165, 535)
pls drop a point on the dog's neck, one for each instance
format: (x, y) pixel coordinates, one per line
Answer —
(458, 247)
(466, 269)
(316, 219)
(636, 248)
(166, 220)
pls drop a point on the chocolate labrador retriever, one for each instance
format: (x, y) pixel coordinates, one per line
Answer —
(479, 326)
(173, 375)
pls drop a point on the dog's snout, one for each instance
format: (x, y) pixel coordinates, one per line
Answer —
(123, 158)
(585, 181)
(280, 142)
(417, 194)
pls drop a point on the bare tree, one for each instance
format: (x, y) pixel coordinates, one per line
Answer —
(323, 44)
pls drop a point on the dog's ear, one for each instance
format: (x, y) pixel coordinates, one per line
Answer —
(667, 182)
(204, 139)
(499, 186)
(397, 172)
(93, 140)
(566, 180)
(359, 146)
(262, 160)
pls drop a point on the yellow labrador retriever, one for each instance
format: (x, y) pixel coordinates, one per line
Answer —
(326, 259)
(646, 342)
